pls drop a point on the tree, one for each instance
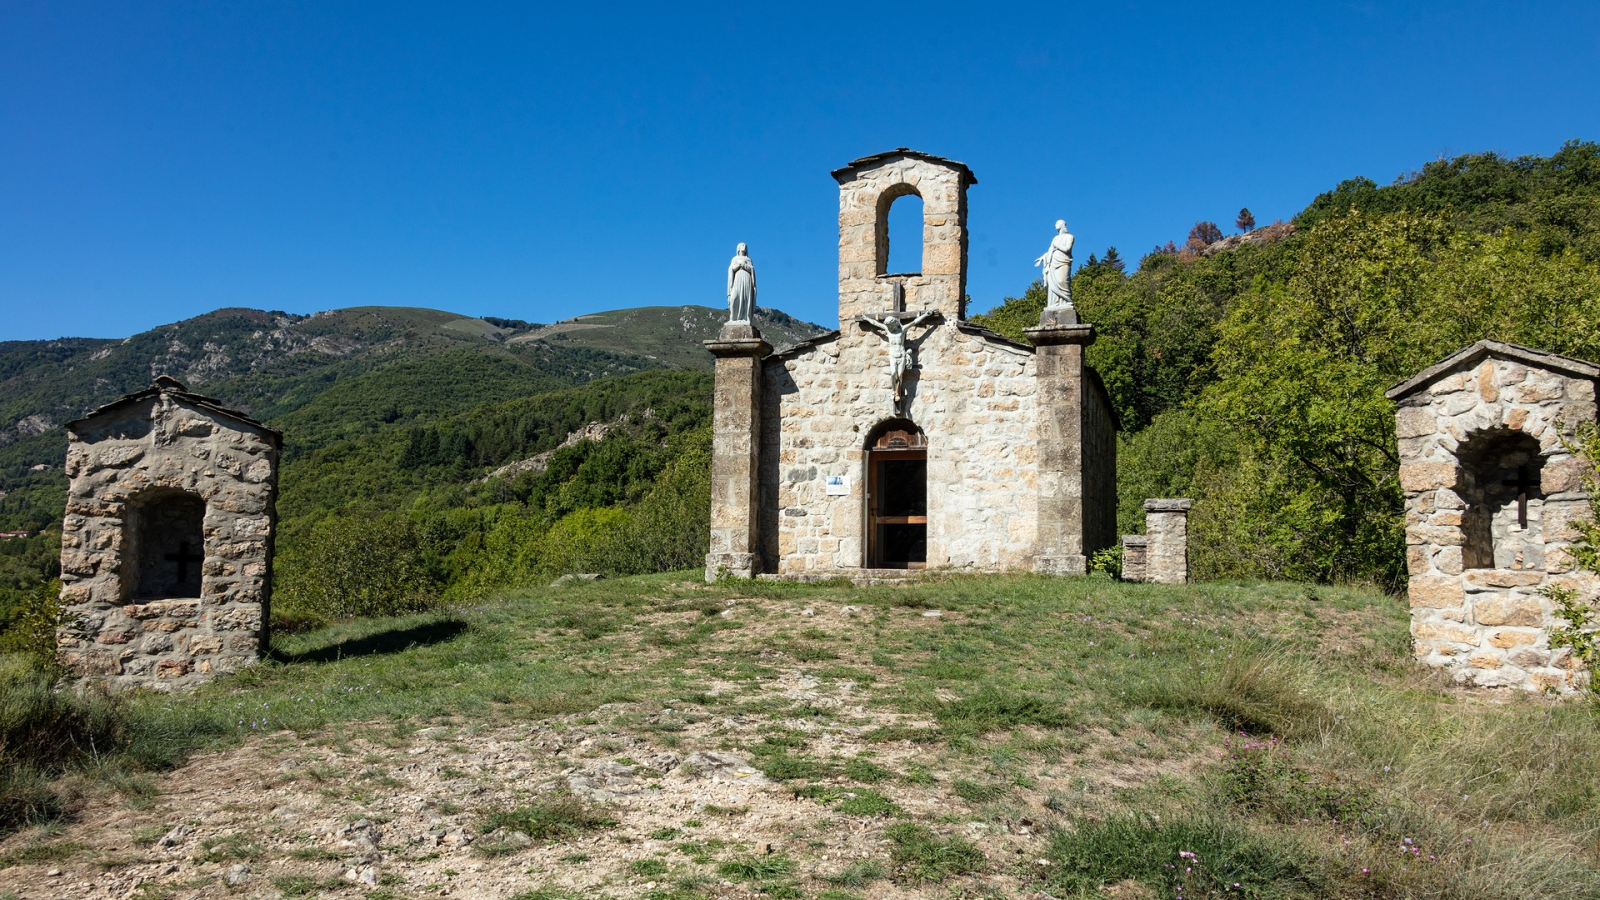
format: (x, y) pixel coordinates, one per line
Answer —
(1113, 260)
(1246, 220)
(1203, 235)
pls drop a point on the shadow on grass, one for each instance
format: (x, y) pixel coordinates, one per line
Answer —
(395, 640)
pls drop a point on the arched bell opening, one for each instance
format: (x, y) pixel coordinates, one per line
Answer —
(900, 214)
(1499, 483)
(163, 545)
(897, 496)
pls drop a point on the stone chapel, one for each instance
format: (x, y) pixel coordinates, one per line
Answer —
(166, 545)
(909, 438)
(1491, 492)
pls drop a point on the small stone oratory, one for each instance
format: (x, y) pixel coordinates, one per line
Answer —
(1491, 494)
(909, 438)
(166, 546)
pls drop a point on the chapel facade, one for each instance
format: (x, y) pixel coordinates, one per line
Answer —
(909, 438)
(1492, 490)
(166, 545)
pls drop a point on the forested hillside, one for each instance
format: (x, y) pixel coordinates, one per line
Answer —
(1251, 379)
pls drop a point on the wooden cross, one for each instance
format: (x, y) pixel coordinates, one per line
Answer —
(183, 557)
(1522, 482)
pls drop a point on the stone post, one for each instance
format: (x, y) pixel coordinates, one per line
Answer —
(735, 450)
(1134, 558)
(1060, 340)
(1166, 532)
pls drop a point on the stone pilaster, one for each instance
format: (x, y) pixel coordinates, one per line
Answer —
(735, 451)
(1166, 533)
(1134, 557)
(1060, 340)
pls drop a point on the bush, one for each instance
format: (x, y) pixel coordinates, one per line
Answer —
(589, 540)
(34, 619)
(348, 567)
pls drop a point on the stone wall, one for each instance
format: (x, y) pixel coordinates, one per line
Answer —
(974, 397)
(151, 610)
(1475, 595)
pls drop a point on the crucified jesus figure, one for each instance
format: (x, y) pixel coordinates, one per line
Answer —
(899, 351)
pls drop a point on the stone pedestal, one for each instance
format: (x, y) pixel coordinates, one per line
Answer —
(1166, 534)
(735, 449)
(1060, 340)
(1134, 558)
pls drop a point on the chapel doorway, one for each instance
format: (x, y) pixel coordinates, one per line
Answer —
(897, 496)
(164, 546)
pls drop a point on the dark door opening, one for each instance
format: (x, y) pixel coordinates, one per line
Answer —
(897, 498)
(165, 546)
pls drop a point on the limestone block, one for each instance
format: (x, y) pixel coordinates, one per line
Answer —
(1440, 631)
(1423, 476)
(1503, 579)
(1435, 592)
(1415, 422)
(1509, 638)
(1508, 610)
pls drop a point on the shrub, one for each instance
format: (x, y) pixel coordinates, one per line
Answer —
(34, 620)
(588, 540)
(349, 567)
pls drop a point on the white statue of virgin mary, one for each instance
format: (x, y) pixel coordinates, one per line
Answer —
(741, 287)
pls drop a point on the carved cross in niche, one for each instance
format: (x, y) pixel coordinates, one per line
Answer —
(183, 557)
(1522, 482)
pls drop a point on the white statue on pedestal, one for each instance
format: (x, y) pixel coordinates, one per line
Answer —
(899, 352)
(1057, 263)
(741, 287)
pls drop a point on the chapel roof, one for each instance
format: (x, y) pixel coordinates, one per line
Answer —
(1538, 359)
(850, 168)
(166, 384)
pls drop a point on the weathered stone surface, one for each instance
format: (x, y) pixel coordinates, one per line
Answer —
(169, 533)
(1507, 639)
(1426, 476)
(1507, 610)
(1502, 578)
(1435, 592)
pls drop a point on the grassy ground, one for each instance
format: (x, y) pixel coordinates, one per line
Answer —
(961, 737)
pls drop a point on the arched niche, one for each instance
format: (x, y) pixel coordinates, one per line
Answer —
(897, 496)
(1498, 481)
(163, 545)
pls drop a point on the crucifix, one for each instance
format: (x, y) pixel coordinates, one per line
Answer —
(183, 557)
(1522, 482)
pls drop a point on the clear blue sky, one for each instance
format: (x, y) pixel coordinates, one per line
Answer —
(537, 161)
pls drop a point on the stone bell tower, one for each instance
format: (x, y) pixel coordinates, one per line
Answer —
(867, 188)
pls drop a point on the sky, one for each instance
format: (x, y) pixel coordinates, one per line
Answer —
(539, 161)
